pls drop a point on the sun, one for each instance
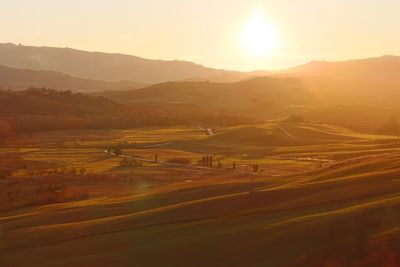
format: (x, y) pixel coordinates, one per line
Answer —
(258, 36)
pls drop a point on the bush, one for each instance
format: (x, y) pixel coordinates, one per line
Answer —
(51, 194)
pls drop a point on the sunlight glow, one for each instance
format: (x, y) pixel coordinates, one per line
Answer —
(258, 36)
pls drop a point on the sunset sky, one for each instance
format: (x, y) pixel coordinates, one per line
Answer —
(241, 34)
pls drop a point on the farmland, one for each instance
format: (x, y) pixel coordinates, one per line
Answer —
(315, 180)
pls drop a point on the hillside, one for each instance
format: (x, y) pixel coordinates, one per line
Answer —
(373, 81)
(360, 94)
(40, 109)
(252, 97)
(362, 117)
(343, 215)
(289, 140)
(44, 109)
(378, 68)
(230, 77)
(282, 134)
(21, 79)
(46, 101)
(100, 66)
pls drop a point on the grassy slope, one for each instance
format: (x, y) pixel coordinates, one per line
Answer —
(355, 116)
(335, 215)
(264, 144)
(291, 140)
(251, 96)
(338, 214)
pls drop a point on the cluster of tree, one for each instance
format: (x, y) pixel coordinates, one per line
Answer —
(255, 167)
(42, 109)
(47, 91)
(27, 123)
(72, 171)
(206, 161)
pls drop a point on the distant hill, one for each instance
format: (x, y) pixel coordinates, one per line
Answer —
(362, 117)
(373, 81)
(101, 66)
(360, 94)
(21, 79)
(51, 102)
(377, 68)
(254, 96)
(44, 109)
(230, 77)
(40, 109)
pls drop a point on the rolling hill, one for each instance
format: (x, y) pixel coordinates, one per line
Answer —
(342, 215)
(41, 109)
(306, 140)
(360, 94)
(372, 81)
(21, 79)
(101, 66)
(282, 134)
(44, 109)
(363, 117)
(377, 68)
(258, 95)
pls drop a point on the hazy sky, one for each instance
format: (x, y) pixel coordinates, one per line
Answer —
(208, 32)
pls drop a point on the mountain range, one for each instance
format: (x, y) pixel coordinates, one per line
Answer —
(101, 66)
(360, 93)
(20, 79)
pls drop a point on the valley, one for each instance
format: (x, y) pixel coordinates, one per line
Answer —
(317, 182)
(109, 159)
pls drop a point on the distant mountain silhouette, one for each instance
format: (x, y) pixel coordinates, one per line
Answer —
(372, 81)
(360, 94)
(385, 68)
(101, 66)
(254, 96)
(232, 76)
(20, 79)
